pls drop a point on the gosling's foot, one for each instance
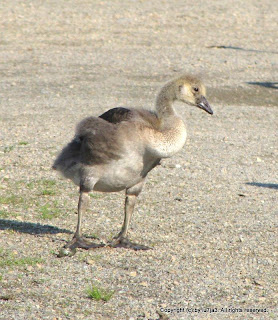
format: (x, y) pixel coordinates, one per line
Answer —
(126, 243)
(77, 242)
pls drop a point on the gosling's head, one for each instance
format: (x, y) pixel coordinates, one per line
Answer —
(191, 90)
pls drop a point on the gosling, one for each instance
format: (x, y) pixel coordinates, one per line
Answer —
(117, 150)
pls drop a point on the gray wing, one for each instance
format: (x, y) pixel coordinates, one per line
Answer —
(99, 141)
(95, 143)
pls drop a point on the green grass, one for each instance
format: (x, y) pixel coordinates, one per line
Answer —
(31, 185)
(8, 149)
(53, 252)
(12, 199)
(42, 183)
(97, 257)
(49, 212)
(95, 292)
(48, 183)
(96, 195)
(6, 214)
(8, 259)
(39, 195)
(46, 187)
(48, 192)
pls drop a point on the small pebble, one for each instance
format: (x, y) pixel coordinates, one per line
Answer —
(144, 284)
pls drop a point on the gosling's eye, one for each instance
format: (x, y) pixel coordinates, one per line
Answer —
(196, 89)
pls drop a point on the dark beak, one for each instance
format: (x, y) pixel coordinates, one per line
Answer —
(203, 104)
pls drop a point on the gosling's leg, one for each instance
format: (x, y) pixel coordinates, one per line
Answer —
(78, 241)
(121, 240)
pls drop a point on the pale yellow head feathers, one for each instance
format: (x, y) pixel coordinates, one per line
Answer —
(189, 89)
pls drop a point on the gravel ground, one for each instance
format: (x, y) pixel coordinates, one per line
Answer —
(209, 212)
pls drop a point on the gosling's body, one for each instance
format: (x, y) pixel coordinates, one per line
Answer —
(110, 157)
(117, 150)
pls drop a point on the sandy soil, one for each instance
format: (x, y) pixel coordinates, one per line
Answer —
(210, 212)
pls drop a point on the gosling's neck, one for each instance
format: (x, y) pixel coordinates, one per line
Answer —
(165, 100)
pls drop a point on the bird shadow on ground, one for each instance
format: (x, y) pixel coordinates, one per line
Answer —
(29, 227)
(263, 185)
(271, 85)
(240, 49)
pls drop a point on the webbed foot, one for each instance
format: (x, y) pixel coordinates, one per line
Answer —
(122, 242)
(77, 242)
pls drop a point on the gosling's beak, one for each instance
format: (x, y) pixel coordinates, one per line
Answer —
(203, 104)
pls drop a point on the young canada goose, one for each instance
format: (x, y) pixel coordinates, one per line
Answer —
(118, 149)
